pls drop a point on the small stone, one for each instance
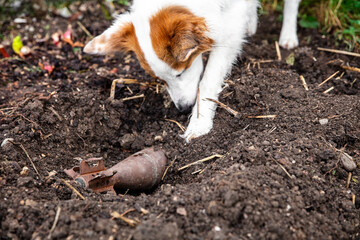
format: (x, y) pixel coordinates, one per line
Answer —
(25, 181)
(127, 140)
(275, 204)
(158, 138)
(324, 121)
(348, 162)
(212, 209)
(266, 143)
(29, 202)
(181, 211)
(24, 171)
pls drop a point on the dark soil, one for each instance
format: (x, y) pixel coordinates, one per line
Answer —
(280, 178)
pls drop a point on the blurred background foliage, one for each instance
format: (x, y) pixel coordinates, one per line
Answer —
(340, 18)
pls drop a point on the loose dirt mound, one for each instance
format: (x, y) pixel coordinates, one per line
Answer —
(280, 178)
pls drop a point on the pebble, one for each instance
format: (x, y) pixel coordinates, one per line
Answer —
(324, 121)
(181, 211)
(127, 140)
(275, 204)
(348, 162)
(25, 181)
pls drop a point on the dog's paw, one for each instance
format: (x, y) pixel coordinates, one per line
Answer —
(197, 127)
(288, 41)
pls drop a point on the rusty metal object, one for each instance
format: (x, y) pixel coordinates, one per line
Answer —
(141, 171)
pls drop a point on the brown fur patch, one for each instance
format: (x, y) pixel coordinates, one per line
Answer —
(125, 40)
(178, 36)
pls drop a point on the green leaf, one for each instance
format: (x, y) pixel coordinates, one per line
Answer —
(290, 59)
(17, 44)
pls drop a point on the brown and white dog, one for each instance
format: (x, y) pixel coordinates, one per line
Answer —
(170, 36)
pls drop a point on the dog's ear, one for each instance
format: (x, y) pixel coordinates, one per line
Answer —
(178, 36)
(189, 38)
(117, 38)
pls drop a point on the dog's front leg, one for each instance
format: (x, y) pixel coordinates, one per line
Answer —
(288, 36)
(218, 66)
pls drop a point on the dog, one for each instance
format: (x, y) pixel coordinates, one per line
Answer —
(169, 38)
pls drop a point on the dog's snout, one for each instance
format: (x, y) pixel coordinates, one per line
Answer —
(184, 108)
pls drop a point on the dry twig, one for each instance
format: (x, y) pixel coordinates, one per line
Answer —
(355, 69)
(74, 189)
(177, 123)
(130, 222)
(304, 82)
(27, 155)
(283, 168)
(339, 52)
(263, 116)
(133, 97)
(127, 81)
(278, 50)
(348, 180)
(227, 108)
(201, 161)
(236, 113)
(55, 221)
(328, 79)
(167, 169)
(85, 30)
(328, 90)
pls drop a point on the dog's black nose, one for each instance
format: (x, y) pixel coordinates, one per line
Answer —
(185, 108)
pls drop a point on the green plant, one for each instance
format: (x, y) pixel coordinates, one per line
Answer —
(338, 17)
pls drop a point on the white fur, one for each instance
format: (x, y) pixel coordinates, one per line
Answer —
(229, 22)
(288, 36)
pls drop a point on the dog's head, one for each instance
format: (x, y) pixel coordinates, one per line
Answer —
(168, 45)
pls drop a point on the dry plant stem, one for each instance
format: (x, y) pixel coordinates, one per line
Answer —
(128, 211)
(85, 30)
(355, 69)
(236, 113)
(353, 199)
(263, 116)
(304, 82)
(126, 81)
(201, 161)
(130, 222)
(167, 169)
(283, 168)
(222, 105)
(278, 50)
(328, 90)
(58, 211)
(348, 180)
(56, 114)
(133, 97)
(72, 188)
(177, 123)
(27, 155)
(339, 52)
(328, 79)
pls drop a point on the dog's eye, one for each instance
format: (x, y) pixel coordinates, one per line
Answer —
(179, 75)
